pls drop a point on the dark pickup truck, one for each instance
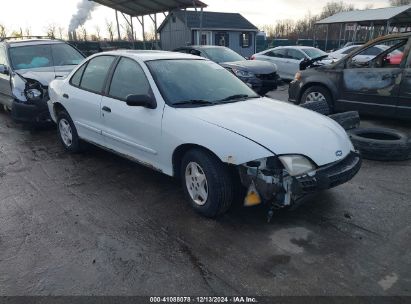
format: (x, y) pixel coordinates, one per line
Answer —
(380, 86)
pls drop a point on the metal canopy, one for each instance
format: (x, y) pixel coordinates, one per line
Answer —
(136, 8)
(400, 14)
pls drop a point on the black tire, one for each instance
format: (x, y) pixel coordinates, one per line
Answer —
(321, 107)
(76, 143)
(219, 183)
(348, 120)
(381, 144)
(318, 89)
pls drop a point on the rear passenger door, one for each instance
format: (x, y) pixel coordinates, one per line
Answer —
(83, 97)
(130, 130)
(294, 58)
(404, 103)
(6, 97)
(278, 56)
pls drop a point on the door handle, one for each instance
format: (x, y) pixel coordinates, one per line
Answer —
(65, 96)
(106, 109)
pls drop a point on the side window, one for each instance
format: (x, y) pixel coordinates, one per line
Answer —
(295, 54)
(75, 80)
(281, 53)
(387, 54)
(129, 79)
(349, 50)
(95, 73)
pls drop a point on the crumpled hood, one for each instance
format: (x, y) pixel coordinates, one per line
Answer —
(280, 127)
(253, 66)
(47, 74)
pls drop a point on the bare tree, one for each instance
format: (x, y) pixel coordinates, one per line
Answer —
(151, 34)
(27, 31)
(110, 29)
(18, 33)
(129, 32)
(51, 30)
(399, 2)
(61, 31)
(83, 31)
(3, 31)
(98, 32)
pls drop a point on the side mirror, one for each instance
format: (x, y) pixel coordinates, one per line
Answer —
(4, 69)
(145, 101)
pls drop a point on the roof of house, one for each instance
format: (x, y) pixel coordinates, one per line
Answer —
(145, 7)
(212, 20)
(399, 14)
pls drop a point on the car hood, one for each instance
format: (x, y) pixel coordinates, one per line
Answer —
(253, 66)
(46, 75)
(281, 128)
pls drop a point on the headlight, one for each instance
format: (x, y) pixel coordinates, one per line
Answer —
(33, 94)
(297, 76)
(241, 73)
(296, 164)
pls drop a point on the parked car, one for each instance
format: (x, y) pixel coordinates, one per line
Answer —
(380, 86)
(190, 118)
(366, 55)
(341, 53)
(288, 58)
(261, 77)
(26, 68)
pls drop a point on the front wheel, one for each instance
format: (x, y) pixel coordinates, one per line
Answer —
(207, 183)
(68, 133)
(316, 93)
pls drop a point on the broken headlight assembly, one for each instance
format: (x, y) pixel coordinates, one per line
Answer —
(33, 91)
(296, 164)
(243, 74)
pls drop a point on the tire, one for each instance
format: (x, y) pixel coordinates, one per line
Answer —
(321, 107)
(323, 94)
(217, 189)
(381, 144)
(348, 120)
(65, 128)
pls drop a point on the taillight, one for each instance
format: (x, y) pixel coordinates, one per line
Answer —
(252, 57)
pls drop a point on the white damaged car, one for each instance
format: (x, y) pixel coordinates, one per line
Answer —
(190, 118)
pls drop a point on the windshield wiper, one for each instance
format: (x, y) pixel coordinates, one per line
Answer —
(193, 102)
(237, 97)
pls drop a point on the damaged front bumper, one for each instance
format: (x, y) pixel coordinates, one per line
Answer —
(35, 112)
(274, 184)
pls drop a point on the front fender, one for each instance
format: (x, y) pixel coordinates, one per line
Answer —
(326, 79)
(231, 148)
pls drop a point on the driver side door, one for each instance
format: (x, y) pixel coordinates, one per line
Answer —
(134, 131)
(372, 87)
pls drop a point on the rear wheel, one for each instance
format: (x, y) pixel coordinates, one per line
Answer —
(317, 93)
(68, 133)
(207, 183)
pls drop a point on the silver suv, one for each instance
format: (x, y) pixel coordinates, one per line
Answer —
(27, 66)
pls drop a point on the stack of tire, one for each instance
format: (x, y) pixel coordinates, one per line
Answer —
(379, 144)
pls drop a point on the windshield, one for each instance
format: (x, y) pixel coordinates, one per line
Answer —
(314, 53)
(197, 82)
(222, 55)
(44, 55)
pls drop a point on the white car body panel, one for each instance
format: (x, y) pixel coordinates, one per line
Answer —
(286, 67)
(237, 132)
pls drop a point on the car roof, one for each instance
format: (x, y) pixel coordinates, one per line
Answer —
(150, 55)
(27, 42)
(204, 47)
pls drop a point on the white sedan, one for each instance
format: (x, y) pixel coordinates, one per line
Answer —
(288, 58)
(190, 118)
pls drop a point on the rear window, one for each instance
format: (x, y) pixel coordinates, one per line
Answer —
(44, 55)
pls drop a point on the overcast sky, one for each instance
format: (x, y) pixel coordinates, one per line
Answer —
(37, 14)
